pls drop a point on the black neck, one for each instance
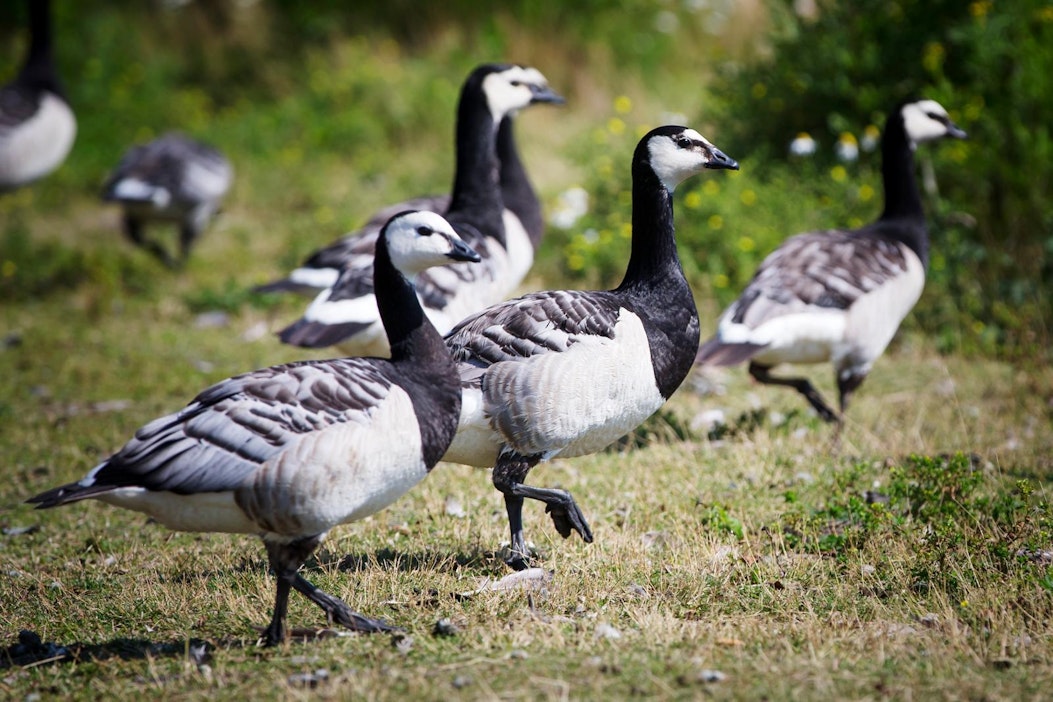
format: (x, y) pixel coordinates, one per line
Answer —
(518, 193)
(410, 333)
(902, 197)
(476, 193)
(39, 68)
(654, 257)
(654, 285)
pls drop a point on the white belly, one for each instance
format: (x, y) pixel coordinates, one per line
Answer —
(329, 477)
(569, 403)
(38, 146)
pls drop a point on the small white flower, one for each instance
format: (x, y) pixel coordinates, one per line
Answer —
(871, 137)
(571, 205)
(803, 145)
(847, 148)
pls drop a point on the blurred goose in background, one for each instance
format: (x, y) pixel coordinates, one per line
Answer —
(37, 126)
(345, 314)
(839, 295)
(172, 178)
(522, 215)
(568, 372)
(291, 451)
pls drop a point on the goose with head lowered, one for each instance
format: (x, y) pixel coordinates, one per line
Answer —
(344, 315)
(839, 296)
(291, 451)
(171, 179)
(568, 372)
(37, 125)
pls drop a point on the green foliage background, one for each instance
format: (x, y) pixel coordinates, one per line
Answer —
(327, 107)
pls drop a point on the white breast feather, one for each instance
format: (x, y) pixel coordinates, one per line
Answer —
(206, 511)
(315, 277)
(807, 337)
(38, 145)
(328, 477)
(348, 471)
(569, 403)
(520, 251)
(874, 318)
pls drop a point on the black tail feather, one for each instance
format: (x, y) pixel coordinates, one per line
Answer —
(318, 335)
(715, 352)
(285, 285)
(64, 494)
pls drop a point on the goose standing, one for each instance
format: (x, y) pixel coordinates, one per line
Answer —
(345, 314)
(172, 178)
(568, 372)
(291, 451)
(37, 126)
(522, 217)
(839, 295)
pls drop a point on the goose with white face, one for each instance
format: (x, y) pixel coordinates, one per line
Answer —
(514, 88)
(927, 120)
(682, 155)
(419, 240)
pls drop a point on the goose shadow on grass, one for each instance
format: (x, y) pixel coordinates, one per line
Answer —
(483, 562)
(30, 650)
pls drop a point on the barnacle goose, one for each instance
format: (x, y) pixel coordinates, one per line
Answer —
(839, 295)
(567, 372)
(522, 218)
(291, 451)
(37, 126)
(345, 314)
(172, 178)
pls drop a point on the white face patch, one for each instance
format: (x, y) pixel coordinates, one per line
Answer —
(918, 123)
(509, 90)
(411, 251)
(673, 163)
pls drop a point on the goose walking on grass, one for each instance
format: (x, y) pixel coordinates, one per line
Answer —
(839, 296)
(170, 179)
(568, 372)
(37, 125)
(291, 451)
(344, 315)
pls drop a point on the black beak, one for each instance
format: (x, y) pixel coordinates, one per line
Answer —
(719, 160)
(463, 252)
(545, 94)
(955, 132)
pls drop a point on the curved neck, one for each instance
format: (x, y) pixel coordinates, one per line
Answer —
(902, 198)
(516, 189)
(654, 257)
(410, 333)
(476, 190)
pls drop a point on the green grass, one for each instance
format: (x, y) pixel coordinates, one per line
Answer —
(754, 554)
(748, 548)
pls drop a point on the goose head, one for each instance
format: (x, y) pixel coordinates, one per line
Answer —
(676, 153)
(510, 87)
(417, 240)
(926, 120)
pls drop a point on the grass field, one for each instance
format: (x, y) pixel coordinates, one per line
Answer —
(734, 562)
(754, 559)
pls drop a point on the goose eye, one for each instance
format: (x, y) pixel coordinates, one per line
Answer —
(683, 142)
(425, 231)
(516, 83)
